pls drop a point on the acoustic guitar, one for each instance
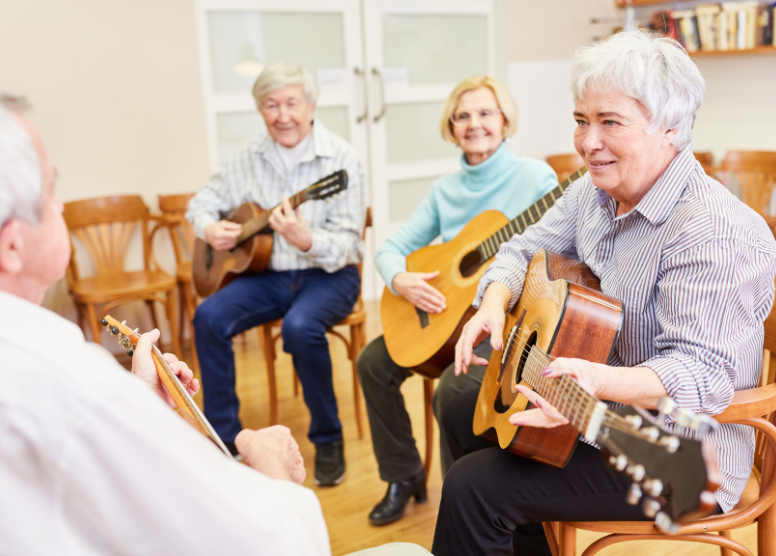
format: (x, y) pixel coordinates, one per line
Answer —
(184, 405)
(562, 313)
(424, 342)
(212, 270)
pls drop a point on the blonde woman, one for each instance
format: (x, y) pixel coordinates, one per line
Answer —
(478, 117)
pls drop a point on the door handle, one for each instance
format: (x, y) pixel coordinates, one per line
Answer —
(376, 73)
(364, 97)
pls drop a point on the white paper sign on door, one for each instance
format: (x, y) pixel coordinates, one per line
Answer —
(331, 78)
(398, 76)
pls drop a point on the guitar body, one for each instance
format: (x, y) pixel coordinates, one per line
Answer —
(563, 312)
(212, 270)
(425, 342)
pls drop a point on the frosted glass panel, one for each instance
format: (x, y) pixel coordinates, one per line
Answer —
(436, 48)
(236, 128)
(413, 132)
(242, 42)
(406, 195)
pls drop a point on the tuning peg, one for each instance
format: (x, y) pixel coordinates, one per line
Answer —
(130, 352)
(115, 330)
(634, 421)
(651, 507)
(619, 462)
(705, 425)
(637, 472)
(652, 433)
(665, 524)
(665, 405)
(671, 443)
(103, 322)
(634, 494)
(684, 417)
(654, 487)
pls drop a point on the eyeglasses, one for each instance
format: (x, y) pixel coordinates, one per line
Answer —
(485, 116)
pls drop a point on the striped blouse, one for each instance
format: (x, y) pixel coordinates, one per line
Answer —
(256, 173)
(695, 270)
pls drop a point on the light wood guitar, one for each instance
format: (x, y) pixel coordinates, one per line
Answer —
(425, 342)
(562, 313)
(184, 405)
(212, 270)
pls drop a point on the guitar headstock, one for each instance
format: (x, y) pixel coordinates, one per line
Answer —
(672, 476)
(328, 186)
(127, 337)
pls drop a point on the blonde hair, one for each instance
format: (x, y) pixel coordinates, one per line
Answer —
(505, 103)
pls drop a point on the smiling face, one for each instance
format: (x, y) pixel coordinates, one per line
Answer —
(622, 158)
(484, 131)
(287, 114)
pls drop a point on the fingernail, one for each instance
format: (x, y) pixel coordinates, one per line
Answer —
(546, 371)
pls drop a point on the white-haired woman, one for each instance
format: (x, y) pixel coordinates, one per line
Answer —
(478, 116)
(693, 266)
(311, 281)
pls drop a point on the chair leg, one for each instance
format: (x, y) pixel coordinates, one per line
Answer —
(265, 337)
(551, 529)
(428, 396)
(94, 326)
(79, 311)
(725, 551)
(353, 349)
(567, 540)
(182, 311)
(171, 317)
(151, 308)
(766, 532)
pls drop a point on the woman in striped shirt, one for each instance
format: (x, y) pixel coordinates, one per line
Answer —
(693, 266)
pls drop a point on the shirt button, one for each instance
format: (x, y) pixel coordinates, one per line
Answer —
(599, 268)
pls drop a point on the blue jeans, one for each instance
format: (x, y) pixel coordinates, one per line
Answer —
(309, 301)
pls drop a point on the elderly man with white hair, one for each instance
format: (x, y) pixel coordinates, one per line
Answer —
(92, 459)
(693, 266)
(311, 282)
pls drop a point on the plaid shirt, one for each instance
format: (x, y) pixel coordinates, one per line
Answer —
(256, 174)
(695, 270)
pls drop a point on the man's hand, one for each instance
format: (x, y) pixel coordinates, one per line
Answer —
(489, 319)
(414, 287)
(143, 366)
(222, 235)
(272, 451)
(291, 225)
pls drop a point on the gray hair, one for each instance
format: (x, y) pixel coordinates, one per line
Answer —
(277, 76)
(21, 178)
(654, 70)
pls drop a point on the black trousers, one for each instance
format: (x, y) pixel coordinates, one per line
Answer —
(494, 502)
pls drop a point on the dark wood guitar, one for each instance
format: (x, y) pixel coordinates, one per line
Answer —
(212, 270)
(562, 313)
(425, 342)
(184, 405)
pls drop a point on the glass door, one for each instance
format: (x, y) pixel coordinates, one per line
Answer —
(417, 51)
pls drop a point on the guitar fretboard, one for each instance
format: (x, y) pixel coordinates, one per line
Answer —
(257, 223)
(490, 246)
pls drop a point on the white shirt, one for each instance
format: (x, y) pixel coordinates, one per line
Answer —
(257, 174)
(93, 462)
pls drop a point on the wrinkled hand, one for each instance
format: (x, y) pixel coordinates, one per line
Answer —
(291, 225)
(414, 287)
(143, 366)
(272, 451)
(222, 235)
(545, 415)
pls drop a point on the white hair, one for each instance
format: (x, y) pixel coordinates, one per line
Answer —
(21, 178)
(654, 70)
(277, 76)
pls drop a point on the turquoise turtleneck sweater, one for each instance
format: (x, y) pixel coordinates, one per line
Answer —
(504, 182)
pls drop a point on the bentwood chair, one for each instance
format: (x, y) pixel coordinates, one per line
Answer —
(754, 408)
(754, 174)
(269, 333)
(105, 226)
(706, 158)
(565, 164)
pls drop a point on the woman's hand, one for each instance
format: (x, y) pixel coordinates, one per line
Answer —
(489, 319)
(414, 287)
(545, 415)
(143, 366)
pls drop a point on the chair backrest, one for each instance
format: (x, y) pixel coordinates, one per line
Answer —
(706, 159)
(105, 226)
(182, 234)
(367, 224)
(754, 172)
(565, 164)
(767, 377)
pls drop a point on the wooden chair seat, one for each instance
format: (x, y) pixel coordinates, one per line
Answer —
(356, 316)
(137, 284)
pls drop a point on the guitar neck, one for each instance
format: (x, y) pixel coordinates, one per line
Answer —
(490, 246)
(256, 224)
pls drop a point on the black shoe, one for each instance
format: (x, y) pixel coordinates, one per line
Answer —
(329, 463)
(392, 506)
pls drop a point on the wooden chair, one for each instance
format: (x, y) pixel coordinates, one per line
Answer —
(754, 408)
(269, 333)
(173, 208)
(105, 226)
(707, 161)
(565, 164)
(754, 173)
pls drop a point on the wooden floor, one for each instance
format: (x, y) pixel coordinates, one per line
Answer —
(347, 506)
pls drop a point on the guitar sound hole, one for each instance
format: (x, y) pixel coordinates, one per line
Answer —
(470, 264)
(512, 368)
